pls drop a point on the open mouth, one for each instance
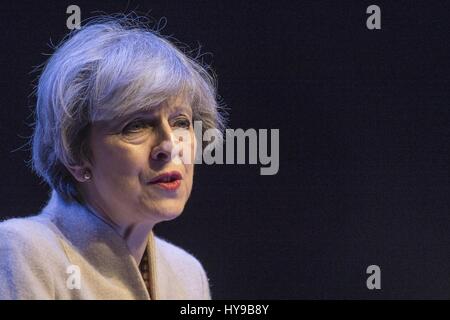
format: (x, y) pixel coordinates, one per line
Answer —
(167, 179)
(170, 180)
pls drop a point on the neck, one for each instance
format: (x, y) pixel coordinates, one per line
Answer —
(135, 234)
(136, 238)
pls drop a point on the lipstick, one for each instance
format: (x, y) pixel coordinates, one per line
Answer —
(168, 180)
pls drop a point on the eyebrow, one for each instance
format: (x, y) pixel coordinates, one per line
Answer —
(185, 108)
(147, 112)
(150, 113)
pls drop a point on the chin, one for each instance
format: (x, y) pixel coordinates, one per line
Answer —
(167, 211)
(168, 215)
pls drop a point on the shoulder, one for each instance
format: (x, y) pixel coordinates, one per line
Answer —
(26, 233)
(186, 266)
(176, 254)
(31, 240)
(25, 259)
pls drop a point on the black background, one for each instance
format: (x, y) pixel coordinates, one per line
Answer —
(364, 141)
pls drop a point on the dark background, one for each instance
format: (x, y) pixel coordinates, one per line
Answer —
(364, 141)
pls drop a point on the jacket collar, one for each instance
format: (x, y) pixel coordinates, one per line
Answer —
(99, 242)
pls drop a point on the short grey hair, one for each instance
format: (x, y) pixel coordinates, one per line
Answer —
(113, 66)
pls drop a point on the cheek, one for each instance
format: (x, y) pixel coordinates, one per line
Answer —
(189, 164)
(185, 145)
(118, 161)
(193, 147)
(189, 180)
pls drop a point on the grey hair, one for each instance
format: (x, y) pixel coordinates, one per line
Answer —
(111, 67)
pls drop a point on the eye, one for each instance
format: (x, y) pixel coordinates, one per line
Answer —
(136, 126)
(182, 123)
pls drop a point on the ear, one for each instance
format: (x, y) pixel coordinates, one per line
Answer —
(79, 172)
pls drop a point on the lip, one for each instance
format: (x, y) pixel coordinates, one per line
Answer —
(171, 186)
(168, 180)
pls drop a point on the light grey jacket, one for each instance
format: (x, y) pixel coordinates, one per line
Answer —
(67, 252)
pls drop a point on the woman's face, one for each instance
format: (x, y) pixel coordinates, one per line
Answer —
(129, 153)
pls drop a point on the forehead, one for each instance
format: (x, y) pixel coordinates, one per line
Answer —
(171, 105)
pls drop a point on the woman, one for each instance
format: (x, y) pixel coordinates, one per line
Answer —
(115, 109)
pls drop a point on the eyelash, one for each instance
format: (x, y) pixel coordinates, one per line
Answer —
(127, 129)
(187, 123)
(145, 124)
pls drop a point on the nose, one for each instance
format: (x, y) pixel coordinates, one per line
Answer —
(163, 150)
